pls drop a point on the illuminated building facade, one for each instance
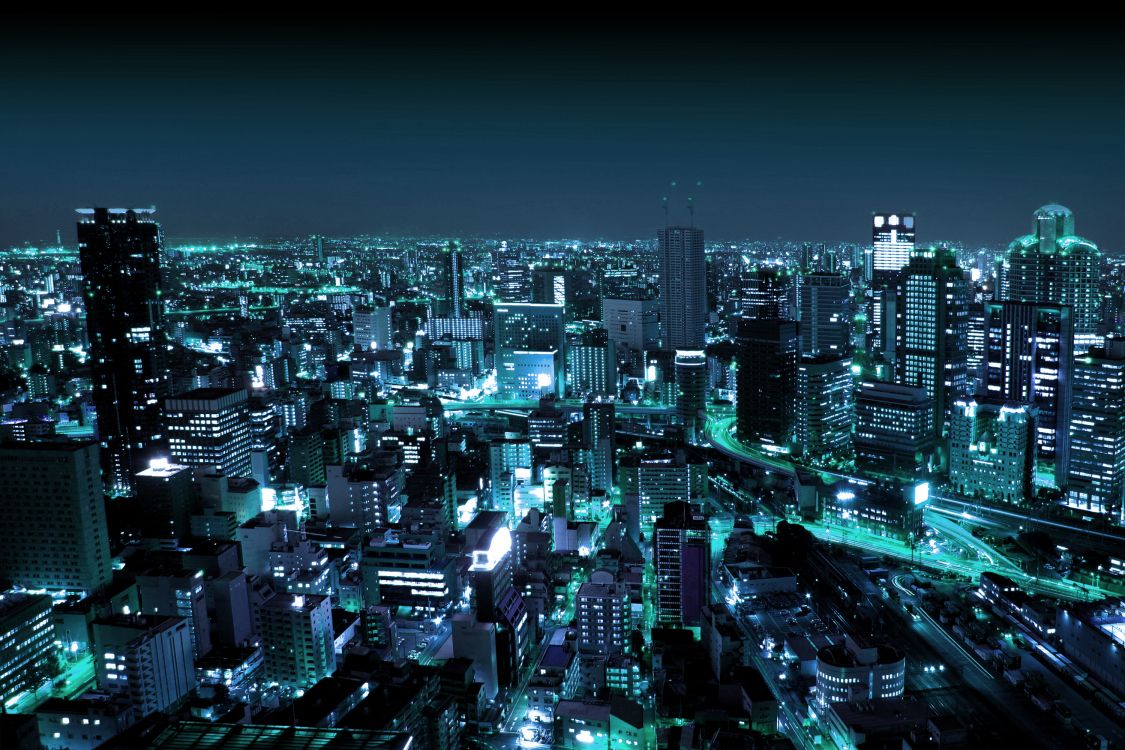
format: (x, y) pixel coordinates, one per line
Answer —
(992, 450)
(691, 386)
(825, 407)
(683, 287)
(400, 570)
(27, 636)
(529, 345)
(857, 671)
(1053, 265)
(933, 318)
(53, 516)
(145, 660)
(894, 424)
(1029, 354)
(210, 427)
(297, 639)
(824, 313)
(591, 363)
(1097, 431)
(892, 238)
(604, 616)
(682, 558)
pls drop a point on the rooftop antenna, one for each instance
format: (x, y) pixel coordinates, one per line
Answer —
(691, 211)
(664, 202)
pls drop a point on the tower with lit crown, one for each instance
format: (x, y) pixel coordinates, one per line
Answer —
(1054, 265)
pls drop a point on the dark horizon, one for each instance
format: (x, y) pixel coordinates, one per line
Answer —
(781, 132)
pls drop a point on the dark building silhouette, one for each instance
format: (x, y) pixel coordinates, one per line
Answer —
(120, 255)
(768, 350)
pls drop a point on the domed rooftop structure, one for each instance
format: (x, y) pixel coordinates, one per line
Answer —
(1052, 209)
(1053, 221)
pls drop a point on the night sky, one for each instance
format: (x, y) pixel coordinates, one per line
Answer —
(508, 132)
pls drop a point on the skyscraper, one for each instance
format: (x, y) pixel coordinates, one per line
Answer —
(1054, 265)
(892, 238)
(1097, 431)
(1029, 354)
(691, 386)
(597, 437)
(768, 350)
(511, 276)
(52, 512)
(683, 287)
(548, 284)
(825, 313)
(768, 293)
(454, 277)
(120, 256)
(682, 558)
(591, 363)
(933, 301)
(825, 407)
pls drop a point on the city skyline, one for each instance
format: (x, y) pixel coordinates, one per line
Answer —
(340, 449)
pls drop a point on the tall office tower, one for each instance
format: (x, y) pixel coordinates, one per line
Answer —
(894, 424)
(825, 407)
(1055, 266)
(1097, 431)
(373, 328)
(975, 342)
(691, 386)
(598, 419)
(933, 321)
(603, 612)
(511, 276)
(992, 450)
(892, 238)
(591, 363)
(528, 349)
(53, 517)
(633, 324)
(210, 427)
(120, 256)
(768, 350)
(144, 660)
(825, 313)
(27, 649)
(768, 293)
(683, 287)
(548, 285)
(297, 639)
(1029, 354)
(453, 277)
(682, 558)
